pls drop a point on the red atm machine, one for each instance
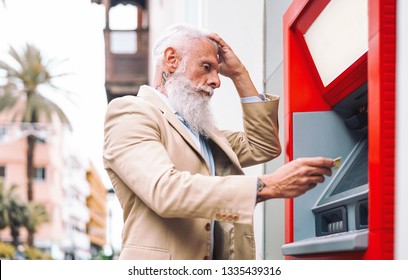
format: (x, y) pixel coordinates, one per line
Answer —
(340, 58)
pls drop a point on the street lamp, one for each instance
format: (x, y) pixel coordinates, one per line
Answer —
(108, 249)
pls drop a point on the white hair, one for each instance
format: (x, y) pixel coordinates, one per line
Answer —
(177, 36)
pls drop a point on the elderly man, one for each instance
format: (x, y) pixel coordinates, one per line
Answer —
(178, 178)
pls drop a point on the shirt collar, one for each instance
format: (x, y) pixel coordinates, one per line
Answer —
(164, 99)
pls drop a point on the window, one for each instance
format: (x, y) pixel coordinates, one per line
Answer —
(3, 132)
(123, 17)
(123, 24)
(40, 140)
(2, 171)
(39, 173)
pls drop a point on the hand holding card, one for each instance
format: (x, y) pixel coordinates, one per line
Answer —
(337, 163)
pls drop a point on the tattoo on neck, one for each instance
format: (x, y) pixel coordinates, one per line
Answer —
(164, 77)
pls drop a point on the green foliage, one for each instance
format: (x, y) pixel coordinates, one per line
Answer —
(12, 209)
(103, 256)
(15, 213)
(7, 251)
(4, 219)
(35, 254)
(37, 215)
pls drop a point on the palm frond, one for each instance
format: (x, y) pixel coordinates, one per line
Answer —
(16, 58)
(8, 98)
(16, 210)
(29, 71)
(12, 72)
(37, 215)
(53, 109)
(11, 192)
(29, 67)
(66, 94)
(38, 108)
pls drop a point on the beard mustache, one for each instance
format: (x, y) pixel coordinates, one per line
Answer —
(192, 103)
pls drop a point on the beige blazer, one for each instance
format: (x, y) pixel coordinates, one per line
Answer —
(163, 183)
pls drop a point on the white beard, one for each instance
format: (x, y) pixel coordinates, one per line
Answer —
(191, 104)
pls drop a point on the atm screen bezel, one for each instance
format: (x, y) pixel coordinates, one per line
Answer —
(327, 200)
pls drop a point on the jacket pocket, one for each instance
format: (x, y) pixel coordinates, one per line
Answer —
(130, 252)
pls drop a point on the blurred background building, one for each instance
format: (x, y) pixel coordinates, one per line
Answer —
(65, 182)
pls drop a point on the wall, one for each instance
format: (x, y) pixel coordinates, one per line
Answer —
(274, 209)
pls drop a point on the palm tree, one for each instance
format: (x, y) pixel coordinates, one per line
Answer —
(13, 212)
(4, 197)
(18, 213)
(26, 73)
(37, 215)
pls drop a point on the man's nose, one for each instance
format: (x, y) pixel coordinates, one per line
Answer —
(214, 80)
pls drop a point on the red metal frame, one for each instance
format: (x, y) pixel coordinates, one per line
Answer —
(304, 92)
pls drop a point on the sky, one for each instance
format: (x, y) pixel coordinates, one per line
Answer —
(69, 30)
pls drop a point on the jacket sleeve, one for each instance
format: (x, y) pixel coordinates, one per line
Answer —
(259, 142)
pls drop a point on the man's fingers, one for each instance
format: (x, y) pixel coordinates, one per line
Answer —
(222, 45)
(215, 37)
(321, 171)
(316, 179)
(308, 170)
(317, 161)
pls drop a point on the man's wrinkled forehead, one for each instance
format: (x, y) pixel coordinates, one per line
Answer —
(197, 44)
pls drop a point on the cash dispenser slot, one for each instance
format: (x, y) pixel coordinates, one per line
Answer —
(331, 221)
(362, 214)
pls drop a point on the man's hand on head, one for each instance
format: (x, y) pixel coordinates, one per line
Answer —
(230, 65)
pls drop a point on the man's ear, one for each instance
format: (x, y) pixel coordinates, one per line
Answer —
(171, 59)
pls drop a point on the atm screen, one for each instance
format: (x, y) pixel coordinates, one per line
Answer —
(356, 175)
(352, 177)
(346, 193)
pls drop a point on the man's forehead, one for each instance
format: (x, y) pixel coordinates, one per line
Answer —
(204, 49)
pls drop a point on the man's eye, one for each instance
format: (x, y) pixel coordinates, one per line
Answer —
(206, 67)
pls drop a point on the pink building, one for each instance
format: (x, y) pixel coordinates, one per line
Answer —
(60, 184)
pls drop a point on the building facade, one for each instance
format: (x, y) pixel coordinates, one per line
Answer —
(65, 183)
(97, 204)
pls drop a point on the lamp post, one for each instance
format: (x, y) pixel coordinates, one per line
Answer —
(108, 248)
